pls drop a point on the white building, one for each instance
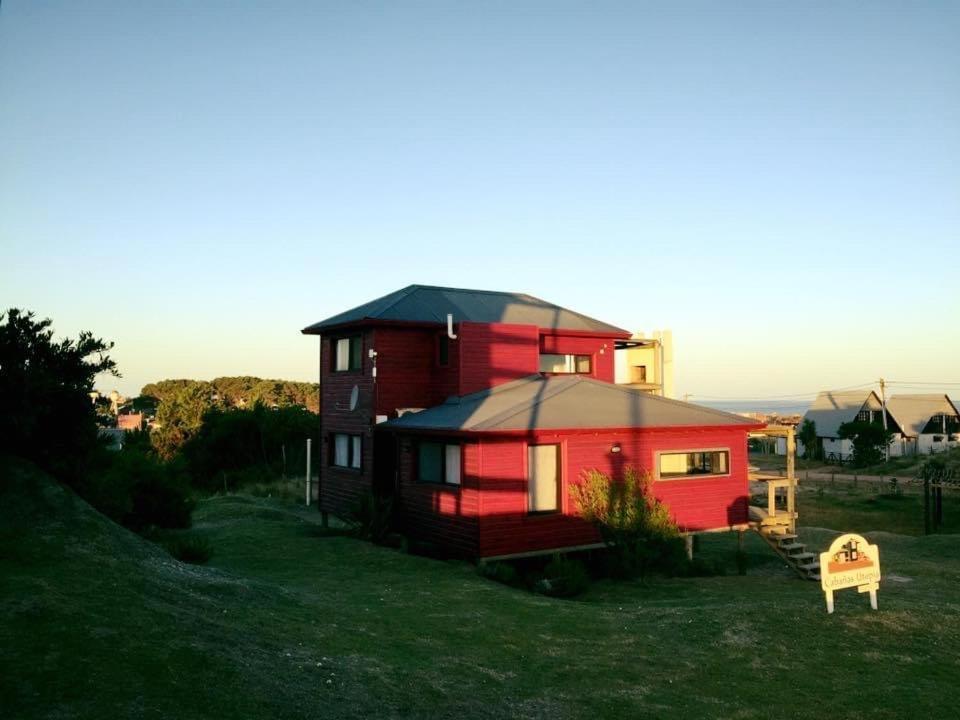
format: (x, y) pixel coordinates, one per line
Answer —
(928, 423)
(830, 410)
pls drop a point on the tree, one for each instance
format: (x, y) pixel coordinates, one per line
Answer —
(45, 387)
(634, 525)
(811, 444)
(869, 441)
(179, 417)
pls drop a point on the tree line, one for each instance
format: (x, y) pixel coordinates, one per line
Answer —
(203, 441)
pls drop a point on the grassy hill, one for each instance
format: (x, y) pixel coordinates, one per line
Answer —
(288, 622)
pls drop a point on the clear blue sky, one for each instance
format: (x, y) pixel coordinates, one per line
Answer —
(778, 182)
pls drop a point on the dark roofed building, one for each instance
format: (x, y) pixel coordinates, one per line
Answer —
(477, 411)
(429, 305)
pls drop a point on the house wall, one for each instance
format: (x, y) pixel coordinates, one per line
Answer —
(408, 373)
(926, 444)
(442, 514)
(696, 504)
(340, 488)
(495, 353)
(841, 449)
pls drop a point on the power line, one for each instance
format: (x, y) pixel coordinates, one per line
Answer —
(934, 384)
(779, 397)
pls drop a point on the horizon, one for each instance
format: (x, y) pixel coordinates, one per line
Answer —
(776, 184)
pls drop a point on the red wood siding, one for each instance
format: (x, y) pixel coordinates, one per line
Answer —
(599, 349)
(441, 514)
(492, 354)
(341, 488)
(407, 370)
(696, 504)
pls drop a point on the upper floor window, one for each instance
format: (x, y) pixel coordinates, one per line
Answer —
(696, 463)
(347, 353)
(564, 364)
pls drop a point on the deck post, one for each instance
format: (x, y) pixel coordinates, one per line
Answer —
(688, 542)
(792, 478)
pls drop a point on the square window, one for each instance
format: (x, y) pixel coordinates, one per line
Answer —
(438, 463)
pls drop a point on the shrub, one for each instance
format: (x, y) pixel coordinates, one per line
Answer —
(563, 577)
(139, 491)
(501, 572)
(635, 526)
(192, 549)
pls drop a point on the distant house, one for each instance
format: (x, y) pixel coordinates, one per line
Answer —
(928, 423)
(831, 409)
(476, 411)
(130, 421)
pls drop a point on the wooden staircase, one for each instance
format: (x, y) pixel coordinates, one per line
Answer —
(777, 531)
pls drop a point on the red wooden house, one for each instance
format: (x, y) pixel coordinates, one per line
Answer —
(476, 410)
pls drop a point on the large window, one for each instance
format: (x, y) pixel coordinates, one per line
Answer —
(347, 353)
(438, 462)
(346, 451)
(564, 364)
(694, 464)
(543, 478)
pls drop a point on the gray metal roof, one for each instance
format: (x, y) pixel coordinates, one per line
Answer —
(427, 304)
(563, 402)
(832, 409)
(913, 412)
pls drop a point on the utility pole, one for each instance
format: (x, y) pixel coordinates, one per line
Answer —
(883, 403)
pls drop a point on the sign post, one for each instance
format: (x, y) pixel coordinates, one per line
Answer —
(850, 562)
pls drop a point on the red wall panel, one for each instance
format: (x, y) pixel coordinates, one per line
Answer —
(492, 354)
(696, 504)
(442, 514)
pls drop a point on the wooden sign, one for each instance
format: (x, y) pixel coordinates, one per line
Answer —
(850, 562)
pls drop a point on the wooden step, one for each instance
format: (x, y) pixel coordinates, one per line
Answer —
(807, 567)
(791, 548)
(802, 557)
(782, 537)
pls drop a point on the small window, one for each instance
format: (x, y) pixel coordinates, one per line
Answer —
(694, 464)
(443, 351)
(346, 451)
(438, 463)
(543, 478)
(638, 374)
(564, 364)
(347, 353)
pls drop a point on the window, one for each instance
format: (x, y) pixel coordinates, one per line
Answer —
(443, 351)
(696, 463)
(638, 373)
(347, 353)
(564, 364)
(543, 478)
(438, 462)
(346, 451)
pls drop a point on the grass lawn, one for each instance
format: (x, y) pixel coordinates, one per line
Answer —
(288, 622)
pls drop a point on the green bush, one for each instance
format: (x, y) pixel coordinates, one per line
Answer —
(636, 527)
(192, 549)
(139, 491)
(563, 577)
(501, 572)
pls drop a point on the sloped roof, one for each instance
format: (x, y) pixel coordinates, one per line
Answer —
(831, 409)
(558, 402)
(428, 304)
(913, 412)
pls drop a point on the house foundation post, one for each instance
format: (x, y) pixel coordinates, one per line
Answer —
(688, 542)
